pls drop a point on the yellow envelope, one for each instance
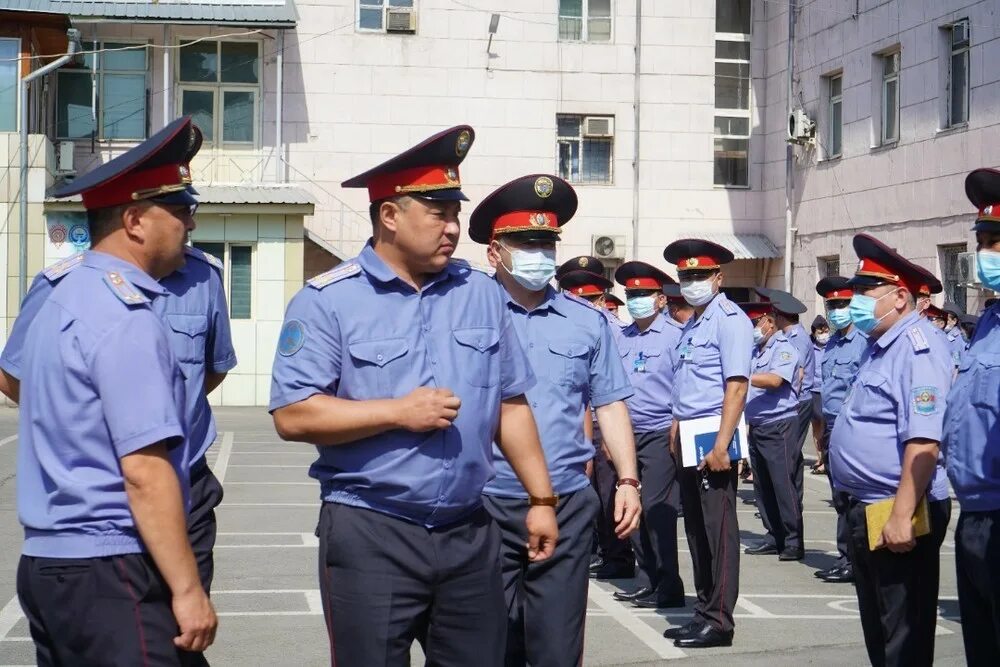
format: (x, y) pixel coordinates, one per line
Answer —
(877, 515)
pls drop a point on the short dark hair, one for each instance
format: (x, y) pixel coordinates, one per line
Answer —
(104, 221)
(402, 201)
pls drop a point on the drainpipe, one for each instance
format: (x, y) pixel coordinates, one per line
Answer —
(279, 153)
(635, 132)
(789, 154)
(73, 37)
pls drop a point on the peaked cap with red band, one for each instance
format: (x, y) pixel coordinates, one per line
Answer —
(834, 288)
(781, 301)
(428, 170)
(757, 309)
(674, 295)
(934, 312)
(581, 263)
(584, 283)
(982, 187)
(612, 302)
(529, 208)
(157, 169)
(641, 276)
(881, 265)
(696, 255)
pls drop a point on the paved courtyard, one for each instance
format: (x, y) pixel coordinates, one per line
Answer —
(267, 596)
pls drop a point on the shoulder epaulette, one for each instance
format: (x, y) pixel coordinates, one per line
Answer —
(62, 267)
(336, 274)
(466, 264)
(728, 307)
(917, 339)
(123, 289)
(204, 256)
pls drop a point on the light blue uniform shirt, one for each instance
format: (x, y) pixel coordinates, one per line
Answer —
(575, 360)
(817, 368)
(99, 382)
(647, 357)
(971, 444)
(713, 348)
(799, 338)
(900, 394)
(194, 309)
(841, 359)
(765, 406)
(956, 344)
(359, 332)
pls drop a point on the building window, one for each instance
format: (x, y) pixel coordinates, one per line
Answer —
(890, 97)
(835, 117)
(120, 74)
(220, 89)
(585, 20)
(958, 73)
(586, 148)
(732, 93)
(951, 274)
(378, 15)
(828, 266)
(238, 262)
(10, 51)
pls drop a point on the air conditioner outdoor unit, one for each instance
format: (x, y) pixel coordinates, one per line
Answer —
(801, 129)
(608, 247)
(598, 126)
(400, 20)
(64, 158)
(966, 266)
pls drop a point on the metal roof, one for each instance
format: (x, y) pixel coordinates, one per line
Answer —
(258, 13)
(745, 246)
(287, 195)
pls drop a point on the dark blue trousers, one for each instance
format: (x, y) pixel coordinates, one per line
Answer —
(776, 462)
(206, 494)
(977, 558)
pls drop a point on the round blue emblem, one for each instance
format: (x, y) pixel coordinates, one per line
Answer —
(293, 337)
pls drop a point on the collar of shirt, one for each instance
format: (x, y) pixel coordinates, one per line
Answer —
(376, 269)
(655, 327)
(887, 339)
(104, 262)
(552, 301)
(794, 330)
(776, 338)
(672, 322)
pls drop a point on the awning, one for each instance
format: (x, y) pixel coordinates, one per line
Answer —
(745, 246)
(257, 13)
(324, 244)
(282, 195)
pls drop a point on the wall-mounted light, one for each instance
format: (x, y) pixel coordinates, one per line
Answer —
(494, 24)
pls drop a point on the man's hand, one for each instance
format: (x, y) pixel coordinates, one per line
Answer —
(426, 409)
(628, 507)
(897, 535)
(196, 619)
(716, 460)
(543, 531)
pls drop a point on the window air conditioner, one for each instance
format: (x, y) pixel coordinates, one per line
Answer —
(400, 20)
(598, 126)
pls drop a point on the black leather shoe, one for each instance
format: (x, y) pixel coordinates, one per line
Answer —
(705, 637)
(843, 575)
(792, 554)
(613, 571)
(682, 631)
(623, 596)
(596, 563)
(823, 574)
(656, 601)
(762, 549)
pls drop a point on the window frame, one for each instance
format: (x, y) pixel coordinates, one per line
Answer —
(219, 88)
(227, 273)
(894, 77)
(384, 6)
(16, 83)
(832, 102)
(954, 291)
(965, 51)
(580, 139)
(585, 24)
(733, 113)
(98, 70)
(823, 264)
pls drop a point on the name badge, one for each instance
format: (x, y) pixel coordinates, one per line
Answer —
(639, 365)
(686, 351)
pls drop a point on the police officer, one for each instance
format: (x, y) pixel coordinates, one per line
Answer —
(678, 310)
(956, 337)
(841, 358)
(884, 445)
(646, 349)
(772, 416)
(968, 324)
(971, 443)
(194, 309)
(820, 336)
(937, 317)
(612, 303)
(400, 366)
(103, 462)
(614, 558)
(576, 362)
(712, 369)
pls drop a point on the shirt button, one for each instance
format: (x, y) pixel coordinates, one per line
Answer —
(379, 357)
(531, 345)
(534, 404)
(442, 497)
(447, 465)
(427, 327)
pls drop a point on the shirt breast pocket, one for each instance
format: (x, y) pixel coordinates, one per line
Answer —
(986, 393)
(478, 352)
(569, 363)
(871, 399)
(188, 334)
(704, 352)
(377, 366)
(842, 369)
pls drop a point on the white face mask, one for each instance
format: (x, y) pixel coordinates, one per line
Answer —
(697, 292)
(822, 338)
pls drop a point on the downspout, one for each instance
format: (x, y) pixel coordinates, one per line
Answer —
(73, 37)
(789, 154)
(279, 153)
(635, 131)
(166, 76)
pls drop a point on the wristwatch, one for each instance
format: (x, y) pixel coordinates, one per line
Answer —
(626, 481)
(544, 501)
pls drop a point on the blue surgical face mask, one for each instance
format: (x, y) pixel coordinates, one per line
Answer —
(840, 318)
(641, 307)
(758, 336)
(863, 312)
(532, 269)
(988, 268)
